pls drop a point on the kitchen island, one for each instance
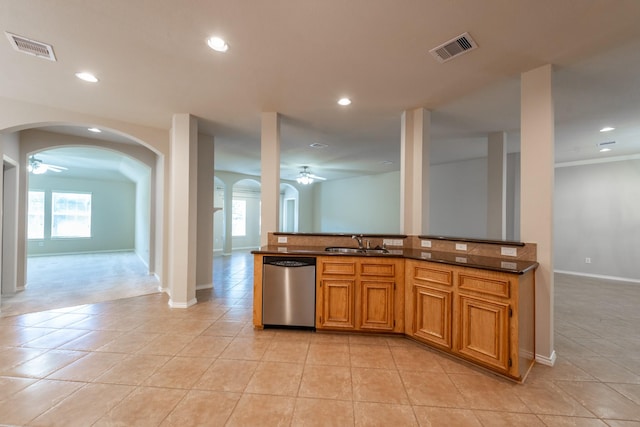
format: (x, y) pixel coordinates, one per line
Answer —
(475, 307)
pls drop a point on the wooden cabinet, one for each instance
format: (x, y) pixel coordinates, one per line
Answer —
(483, 316)
(360, 294)
(480, 315)
(430, 299)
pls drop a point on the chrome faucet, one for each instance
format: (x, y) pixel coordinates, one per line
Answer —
(359, 240)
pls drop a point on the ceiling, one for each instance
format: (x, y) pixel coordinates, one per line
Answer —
(297, 57)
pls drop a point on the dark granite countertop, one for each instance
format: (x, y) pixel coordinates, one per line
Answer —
(505, 265)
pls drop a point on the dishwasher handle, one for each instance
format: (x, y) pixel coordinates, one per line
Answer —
(287, 261)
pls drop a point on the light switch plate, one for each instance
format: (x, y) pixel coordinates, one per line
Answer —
(425, 243)
(282, 239)
(461, 246)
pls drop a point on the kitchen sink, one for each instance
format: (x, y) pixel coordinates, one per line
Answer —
(347, 250)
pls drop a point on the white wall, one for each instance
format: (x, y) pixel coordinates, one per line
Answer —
(112, 219)
(367, 204)
(458, 199)
(597, 216)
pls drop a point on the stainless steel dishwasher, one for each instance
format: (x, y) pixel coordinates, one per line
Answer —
(289, 291)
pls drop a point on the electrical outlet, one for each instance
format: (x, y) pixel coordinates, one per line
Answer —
(461, 259)
(461, 246)
(587, 260)
(508, 265)
(282, 249)
(425, 243)
(282, 239)
(508, 251)
(425, 255)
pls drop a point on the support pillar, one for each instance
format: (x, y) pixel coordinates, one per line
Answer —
(270, 191)
(497, 186)
(227, 246)
(206, 190)
(183, 211)
(414, 171)
(536, 202)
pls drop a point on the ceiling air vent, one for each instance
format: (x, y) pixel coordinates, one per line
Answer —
(449, 50)
(31, 47)
(605, 146)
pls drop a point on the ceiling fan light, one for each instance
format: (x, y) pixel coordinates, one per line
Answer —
(304, 180)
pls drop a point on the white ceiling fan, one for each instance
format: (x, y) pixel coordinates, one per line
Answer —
(305, 177)
(37, 167)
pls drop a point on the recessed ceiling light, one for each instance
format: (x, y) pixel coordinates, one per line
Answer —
(87, 77)
(218, 44)
(94, 130)
(604, 150)
(386, 162)
(318, 145)
(607, 129)
(344, 101)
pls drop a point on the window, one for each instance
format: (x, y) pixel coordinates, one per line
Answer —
(239, 218)
(35, 225)
(70, 214)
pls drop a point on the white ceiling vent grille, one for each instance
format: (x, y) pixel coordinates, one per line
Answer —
(455, 47)
(31, 47)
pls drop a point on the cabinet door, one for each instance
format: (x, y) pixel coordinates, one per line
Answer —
(484, 334)
(377, 304)
(338, 303)
(432, 315)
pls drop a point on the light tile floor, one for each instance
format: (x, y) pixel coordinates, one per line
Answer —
(135, 361)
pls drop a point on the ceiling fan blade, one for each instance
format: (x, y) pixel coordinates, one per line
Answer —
(54, 168)
(316, 177)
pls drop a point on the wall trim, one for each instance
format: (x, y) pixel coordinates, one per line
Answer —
(595, 161)
(547, 361)
(106, 251)
(204, 286)
(187, 304)
(598, 276)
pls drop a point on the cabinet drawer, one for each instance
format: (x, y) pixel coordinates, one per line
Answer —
(337, 267)
(433, 275)
(498, 286)
(375, 269)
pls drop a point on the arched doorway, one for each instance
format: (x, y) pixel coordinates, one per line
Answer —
(100, 162)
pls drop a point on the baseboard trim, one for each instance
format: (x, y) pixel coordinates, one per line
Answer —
(187, 304)
(547, 361)
(598, 276)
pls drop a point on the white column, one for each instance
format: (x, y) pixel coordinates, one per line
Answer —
(206, 189)
(270, 163)
(536, 202)
(227, 246)
(183, 211)
(497, 186)
(414, 171)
